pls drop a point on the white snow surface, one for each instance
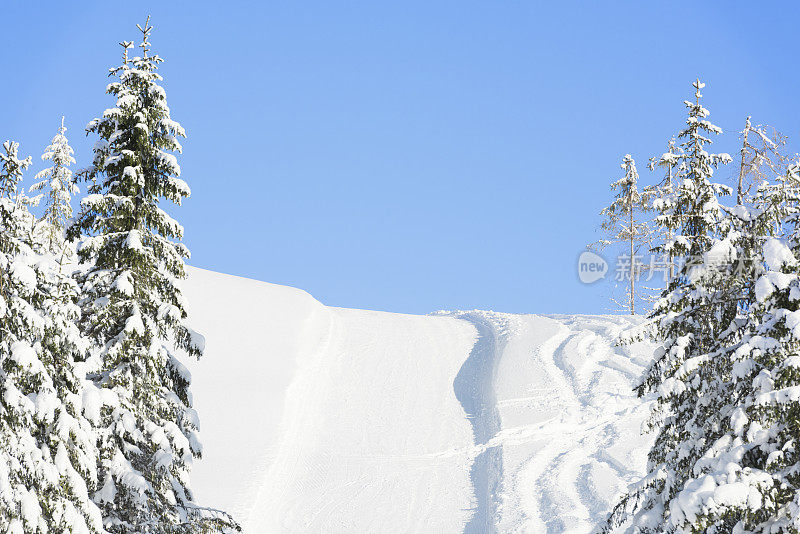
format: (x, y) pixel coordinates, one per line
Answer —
(321, 419)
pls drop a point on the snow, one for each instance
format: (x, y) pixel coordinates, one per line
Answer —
(24, 275)
(321, 419)
(134, 323)
(126, 474)
(91, 402)
(777, 254)
(197, 340)
(24, 355)
(771, 281)
(124, 283)
(31, 511)
(134, 240)
(738, 420)
(107, 492)
(255, 333)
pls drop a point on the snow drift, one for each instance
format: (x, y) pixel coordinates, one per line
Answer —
(320, 419)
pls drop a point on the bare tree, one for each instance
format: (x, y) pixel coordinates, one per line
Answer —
(762, 158)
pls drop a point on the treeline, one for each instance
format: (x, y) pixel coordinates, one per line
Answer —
(97, 429)
(726, 376)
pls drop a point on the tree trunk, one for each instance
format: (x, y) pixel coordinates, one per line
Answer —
(632, 267)
(740, 187)
(670, 258)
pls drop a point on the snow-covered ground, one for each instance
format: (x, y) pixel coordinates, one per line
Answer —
(320, 419)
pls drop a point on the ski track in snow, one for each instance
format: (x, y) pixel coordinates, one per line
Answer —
(361, 421)
(567, 475)
(474, 389)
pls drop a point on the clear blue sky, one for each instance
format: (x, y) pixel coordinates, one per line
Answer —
(407, 157)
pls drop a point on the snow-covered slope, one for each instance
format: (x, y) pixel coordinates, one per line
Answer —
(319, 419)
(256, 335)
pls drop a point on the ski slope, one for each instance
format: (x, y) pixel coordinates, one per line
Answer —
(321, 419)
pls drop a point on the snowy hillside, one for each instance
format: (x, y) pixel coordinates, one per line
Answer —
(318, 419)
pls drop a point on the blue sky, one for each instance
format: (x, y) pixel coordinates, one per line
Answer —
(411, 156)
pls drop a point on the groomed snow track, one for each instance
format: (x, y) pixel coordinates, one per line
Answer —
(319, 419)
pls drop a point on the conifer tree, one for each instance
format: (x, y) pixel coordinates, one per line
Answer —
(747, 479)
(732, 481)
(60, 187)
(48, 456)
(624, 222)
(661, 195)
(693, 215)
(133, 308)
(697, 318)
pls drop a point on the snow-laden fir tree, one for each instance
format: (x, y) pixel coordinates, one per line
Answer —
(48, 456)
(58, 181)
(693, 209)
(661, 196)
(747, 479)
(624, 222)
(133, 308)
(697, 318)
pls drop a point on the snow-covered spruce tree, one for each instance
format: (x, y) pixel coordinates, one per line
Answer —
(661, 196)
(697, 318)
(48, 456)
(748, 478)
(133, 308)
(60, 187)
(624, 222)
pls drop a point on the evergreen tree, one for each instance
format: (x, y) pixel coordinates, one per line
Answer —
(133, 308)
(695, 320)
(748, 476)
(624, 222)
(661, 195)
(48, 457)
(693, 215)
(61, 186)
